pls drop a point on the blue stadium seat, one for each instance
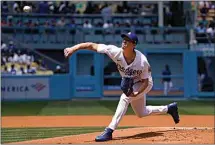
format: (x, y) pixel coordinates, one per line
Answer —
(89, 38)
(169, 38)
(141, 38)
(109, 38)
(98, 38)
(118, 39)
(149, 38)
(180, 38)
(158, 38)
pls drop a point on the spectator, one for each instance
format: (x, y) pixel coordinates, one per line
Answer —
(204, 10)
(10, 57)
(19, 23)
(21, 71)
(72, 24)
(44, 7)
(87, 24)
(61, 22)
(167, 80)
(58, 70)
(3, 47)
(107, 24)
(30, 70)
(5, 71)
(10, 22)
(4, 7)
(16, 7)
(62, 7)
(201, 36)
(13, 70)
(203, 3)
(106, 12)
(11, 47)
(72, 8)
(2, 61)
(89, 8)
(211, 31)
(3, 22)
(200, 29)
(204, 22)
(51, 7)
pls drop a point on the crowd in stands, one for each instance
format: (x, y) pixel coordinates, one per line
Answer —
(18, 61)
(205, 30)
(71, 23)
(71, 7)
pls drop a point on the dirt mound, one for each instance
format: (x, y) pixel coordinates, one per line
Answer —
(184, 135)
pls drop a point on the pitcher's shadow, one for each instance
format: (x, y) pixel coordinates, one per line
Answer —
(140, 136)
(143, 135)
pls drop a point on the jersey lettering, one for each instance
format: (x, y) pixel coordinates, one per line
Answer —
(129, 71)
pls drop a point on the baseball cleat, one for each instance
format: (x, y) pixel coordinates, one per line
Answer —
(105, 136)
(173, 111)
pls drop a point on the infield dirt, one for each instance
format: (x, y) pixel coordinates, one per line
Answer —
(151, 129)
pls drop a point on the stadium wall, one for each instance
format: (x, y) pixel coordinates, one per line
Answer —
(69, 86)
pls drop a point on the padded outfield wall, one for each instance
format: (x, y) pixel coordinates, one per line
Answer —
(79, 83)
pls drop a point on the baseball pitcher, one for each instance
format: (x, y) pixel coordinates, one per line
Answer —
(136, 81)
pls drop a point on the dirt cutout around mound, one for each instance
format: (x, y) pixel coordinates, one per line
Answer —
(158, 129)
(139, 135)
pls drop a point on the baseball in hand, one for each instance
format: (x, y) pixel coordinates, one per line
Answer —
(27, 9)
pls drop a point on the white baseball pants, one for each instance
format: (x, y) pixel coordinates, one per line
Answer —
(138, 104)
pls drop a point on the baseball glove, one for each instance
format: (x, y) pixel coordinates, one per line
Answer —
(127, 85)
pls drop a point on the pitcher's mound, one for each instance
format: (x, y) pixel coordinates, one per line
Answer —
(147, 135)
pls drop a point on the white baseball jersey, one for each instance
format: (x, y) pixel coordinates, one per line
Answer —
(138, 69)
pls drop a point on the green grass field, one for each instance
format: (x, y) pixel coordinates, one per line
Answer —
(78, 108)
(94, 108)
(23, 134)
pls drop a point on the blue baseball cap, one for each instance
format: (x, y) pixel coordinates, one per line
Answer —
(131, 36)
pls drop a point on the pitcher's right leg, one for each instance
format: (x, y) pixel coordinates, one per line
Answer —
(120, 112)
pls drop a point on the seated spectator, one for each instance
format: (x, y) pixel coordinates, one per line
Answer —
(10, 22)
(72, 24)
(13, 70)
(19, 23)
(3, 47)
(58, 70)
(204, 10)
(10, 57)
(87, 24)
(106, 12)
(89, 8)
(2, 62)
(61, 22)
(21, 71)
(200, 29)
(11, 47)
(16, 7)
(4, 7)
(211, 31)
(51, 7)
(204, 22)
(3, 22)
(107, 25)
(5, 71)
(44, 7)
(17, 57)
(62, 7)
(203, 3)
(201, 36)
(30, 70)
